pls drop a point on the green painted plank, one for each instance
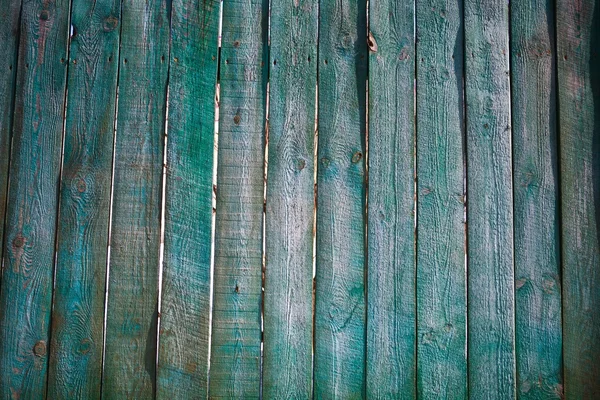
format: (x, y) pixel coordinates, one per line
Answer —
(288, 327)
(536, 225)
(339, 370)
(26, 296)
(441, 275)
(391, 316)
(130, 354)
(235, 352)
(578, 33)
(491, 321)
(10, 13)
(78, 314)
(185, 307)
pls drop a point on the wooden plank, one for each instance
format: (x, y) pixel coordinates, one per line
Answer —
(235, 352)
(536, 225)
(10, 13)
(185, 307)
(26, 296)
(578, 33)
(441, 280)
(391, 317)
(78, 312)
(288, 327)
(491, 344)
(130, 354)
(339, 370)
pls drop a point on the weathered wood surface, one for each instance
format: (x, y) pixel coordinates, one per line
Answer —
(491, 343)
(288, 321)
(578, 33)
(28, 257)
(236, 330)
(441, 275)
(538, 325)
(184, 325)
(10, 14)
(131, 325)
(339, 370)
(77, 338)
(391, 317)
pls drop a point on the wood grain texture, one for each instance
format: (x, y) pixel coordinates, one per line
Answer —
(339, 370)
(131, 325)
(491, 321)
(184, 329)
(578, 33)
(536, 213)
(441, 280)
(78, 313)
(26, 296)
(391, 313)
(10, 13)
(288, 319)
(236, 330)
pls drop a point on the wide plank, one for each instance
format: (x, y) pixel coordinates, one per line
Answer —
(288, 319)
(29, 242)
(538, 319)
(441, 275)
(391, 313)
(339, 370)
(578, 54)
(82, 239)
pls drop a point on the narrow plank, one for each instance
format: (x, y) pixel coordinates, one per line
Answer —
(536, 225)
(441, 280)
(185, 307)
(391, 317)
(10, 13)
(28, 257)
(491, 312)
(130, 354)
(339, 370)
(235, 352)
(78, 315)
(288, 330)
(578, 33)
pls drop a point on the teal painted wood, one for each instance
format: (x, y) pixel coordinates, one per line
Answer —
(441, 275)
(131, 325)
(185, 307)
(288, 316)
(10, 13)
(339, 370)
(78, 313)
(578, 33)
(536, 225)
(391, 313)
(491, 312)
(26, 295)
(236, 330)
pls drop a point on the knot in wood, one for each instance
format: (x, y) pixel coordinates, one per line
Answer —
(39, 349)
(371, 42)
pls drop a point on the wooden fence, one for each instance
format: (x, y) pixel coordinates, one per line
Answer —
(436, 234)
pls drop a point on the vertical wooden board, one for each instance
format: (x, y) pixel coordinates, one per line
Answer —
(130, 354)
(538, 327)
(578, 33)
(184, 324)
(10, 13)
(491, 344)
(339, 370)
(391, 317)
(441, 279)
(78, 312)
(26, 296)
(236, 332)
(288, 319)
